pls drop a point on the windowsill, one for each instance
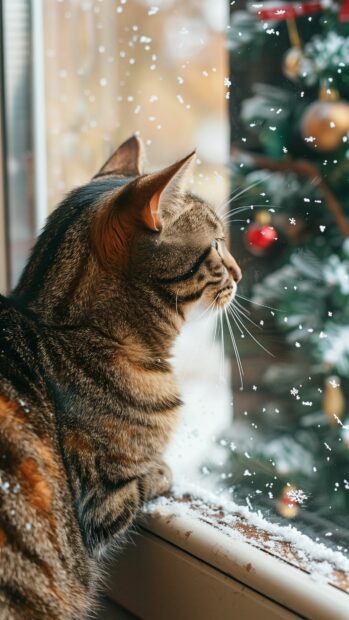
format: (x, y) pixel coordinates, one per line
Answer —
(266, 570)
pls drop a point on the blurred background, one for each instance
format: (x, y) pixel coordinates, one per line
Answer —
(262, 91)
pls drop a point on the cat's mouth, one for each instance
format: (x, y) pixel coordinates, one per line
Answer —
(225, 296)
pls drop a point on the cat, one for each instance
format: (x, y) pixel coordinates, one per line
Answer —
(88, 400)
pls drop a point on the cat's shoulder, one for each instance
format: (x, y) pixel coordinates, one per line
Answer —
(12, 316)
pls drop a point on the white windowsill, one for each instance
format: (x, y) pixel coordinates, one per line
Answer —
(182, 568)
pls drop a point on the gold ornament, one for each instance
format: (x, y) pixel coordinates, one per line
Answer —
(333, 401)
(286, 505)
(263, 217)
(326, 121)
(292, 63)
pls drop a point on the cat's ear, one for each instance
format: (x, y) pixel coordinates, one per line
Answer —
(126, 160)
(141, 203)
(162, 190)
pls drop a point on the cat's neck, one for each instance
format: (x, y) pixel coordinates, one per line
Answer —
(143, 323)
(120, 310)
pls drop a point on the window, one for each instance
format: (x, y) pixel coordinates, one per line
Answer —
(264, 440)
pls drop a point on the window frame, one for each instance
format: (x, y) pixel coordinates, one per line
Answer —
(182, 567)
(4, 269)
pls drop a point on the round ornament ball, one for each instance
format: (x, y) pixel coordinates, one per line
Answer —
(260, 237)
(287, 504)
(324, 124)
(292, 62)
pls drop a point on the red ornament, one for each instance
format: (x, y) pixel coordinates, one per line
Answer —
(260, 238)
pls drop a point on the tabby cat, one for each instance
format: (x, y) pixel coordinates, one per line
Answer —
(88, 398)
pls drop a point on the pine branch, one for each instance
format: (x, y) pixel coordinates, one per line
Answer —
(307, 169)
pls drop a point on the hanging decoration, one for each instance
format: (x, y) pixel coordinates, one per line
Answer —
(261, 236)
(304, 9)
(325, 121)
(287, 506)
(333, 400)
(294, 57)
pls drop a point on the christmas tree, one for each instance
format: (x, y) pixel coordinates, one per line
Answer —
(289, 100)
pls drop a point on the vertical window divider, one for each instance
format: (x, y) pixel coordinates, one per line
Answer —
(4, 262)
(39, 114)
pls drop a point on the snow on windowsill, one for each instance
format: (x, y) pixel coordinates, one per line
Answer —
(239, 523)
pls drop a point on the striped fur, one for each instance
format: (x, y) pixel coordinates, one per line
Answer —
(88, 398)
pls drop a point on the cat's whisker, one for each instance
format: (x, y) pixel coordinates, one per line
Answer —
(239, 311)
(237, 325)
(231, 195)
(236, 351)
(238, 221)
(243, 326)
(246, 189)
(215, 327)
(240, 305)
(230, 214)
(221, 370)
(229, 199)
(258, 304)
(207, 309)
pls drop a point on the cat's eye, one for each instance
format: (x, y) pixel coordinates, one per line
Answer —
(215, 244)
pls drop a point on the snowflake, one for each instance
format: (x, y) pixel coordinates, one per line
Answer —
(227, 82)
(334, 383)
(153, 10)
(297, 495)
(294, 391)
(292, 221)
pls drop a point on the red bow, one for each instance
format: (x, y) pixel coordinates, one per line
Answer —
(291, 11)
(344, 12)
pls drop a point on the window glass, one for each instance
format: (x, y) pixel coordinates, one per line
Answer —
(287, 451)
(113, 69)
(271, 431)
(17, 110)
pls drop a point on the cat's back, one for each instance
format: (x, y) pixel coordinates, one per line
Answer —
(44, 569)
(19, 359)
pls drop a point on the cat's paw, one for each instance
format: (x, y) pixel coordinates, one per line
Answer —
(157, 481)
(163, 478)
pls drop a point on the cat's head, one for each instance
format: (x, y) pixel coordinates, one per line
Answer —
(144, 236)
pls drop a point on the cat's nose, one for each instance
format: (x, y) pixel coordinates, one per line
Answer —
(233, 268)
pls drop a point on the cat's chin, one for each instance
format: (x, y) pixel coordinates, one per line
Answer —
(225, 296)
